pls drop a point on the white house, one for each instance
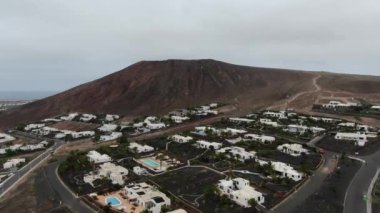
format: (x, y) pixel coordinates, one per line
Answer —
(234, 140)
(110, 171)
(260, 138)
(359, 137)
(96, 157)
(146, 196)
(268, 122)
(279, 115)
(110, 137)
(33, 126)
(292, 149)
(14, 147)
(108, 127)
(375, 108)
(239, 190)
(13, 163)
(87, 117)
(138, 148)
(69, 117)
(110, 117)
(153, 123)
(208, 145)
(4, 138)
(233, 131)
(287, 171)
(179, 119)
(181, 139)
(241, 120)
(295, 128)
(237, 152)
(339, 104)
(347, 124)
(213, 105)
(139, 170)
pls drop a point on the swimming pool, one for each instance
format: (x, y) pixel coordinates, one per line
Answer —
(113, 201)
(151, 163)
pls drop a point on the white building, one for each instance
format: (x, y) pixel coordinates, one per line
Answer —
(213, 105)
(110, 171)
(358, 137)
(237, 152)
(208, 145)
(233, 131)
(241, 120)
(13, 163)
(139, 170)
(279, 115)
(347, 124)
(295, 128)
(268, 122)
(4, 138)
(69, 117)
(87, 117)
(32, 147)
(239, 190)
(146, 196)
(375, 108)
(181, 139)
(339, 104)
(33, 126)
(110, 117)
(292, 149)
(108, 127)
(259, 138)
(152, 123)
(138, 148)
(283, 169)
(234, 140)
(179, 119)
(110, 137)
(96, 157)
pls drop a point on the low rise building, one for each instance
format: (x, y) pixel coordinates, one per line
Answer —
(237, 152)
(108, 127)
(138, 148)
(360, 138)
(4, 138)
(294, 149)
(239, 190)
(259, 138)
(96, 157)
(181, 139)
(179, 119)
(11, 163)
(110, 137)
(109, 171)
(208, 145)
(87, 117)
(146, 196)
(269, 122)
(241, 120)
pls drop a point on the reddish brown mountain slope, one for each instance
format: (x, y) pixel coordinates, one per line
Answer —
(153, 87)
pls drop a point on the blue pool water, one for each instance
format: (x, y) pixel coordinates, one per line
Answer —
(113, 201)
(151, 163)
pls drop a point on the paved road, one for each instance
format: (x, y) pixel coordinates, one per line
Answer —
(359, 186)
(21, 173)
(69, 199)
(309, 187)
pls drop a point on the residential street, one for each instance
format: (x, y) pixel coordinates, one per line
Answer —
(74, 203)
(309, 187)
(359, 186)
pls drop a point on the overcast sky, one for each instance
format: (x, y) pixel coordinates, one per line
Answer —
(52, 45)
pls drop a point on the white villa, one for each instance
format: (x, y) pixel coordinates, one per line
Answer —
(323, 119)
(375, 108)
(239, 190)
(339, 104)
(300, 129)
(181, 139)
(151, 123)
(69, 117)
(138, 148)
(14, 147)
(110, 117)
(13, 163)
(233, 131)
(234, 140)
(139, 170)
(147, 196)
(347, 124)
(268, 122)
(279, 115)
(241, 120)
(96, 157)
(87, 117)
(292, 149)
(208, 145)
(4, 138)
(33, 126)
(260, 138)
(359, 138)
(284, 169)
(110, 137)
(179, 119)
(108, 127)
(110, 171)
(237, 152)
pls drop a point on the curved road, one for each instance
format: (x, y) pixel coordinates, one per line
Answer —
(360, 185)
